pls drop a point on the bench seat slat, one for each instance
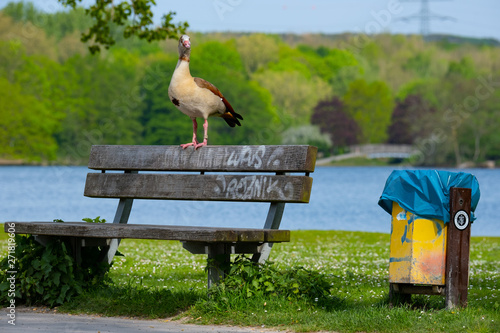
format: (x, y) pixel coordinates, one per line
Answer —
(148, 231)
(209, 158)
(256, 188)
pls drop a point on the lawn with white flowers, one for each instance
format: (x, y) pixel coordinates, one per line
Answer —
(159, 279)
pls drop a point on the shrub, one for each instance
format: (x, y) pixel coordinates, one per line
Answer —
(249, 280)
(48, 275)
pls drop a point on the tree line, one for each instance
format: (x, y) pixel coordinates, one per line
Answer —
(57, 99)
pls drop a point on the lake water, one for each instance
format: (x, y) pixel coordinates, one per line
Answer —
(343, 198)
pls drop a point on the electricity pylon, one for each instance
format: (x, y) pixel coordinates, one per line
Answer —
(425, 16)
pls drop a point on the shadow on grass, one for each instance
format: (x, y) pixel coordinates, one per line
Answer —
(140, 301)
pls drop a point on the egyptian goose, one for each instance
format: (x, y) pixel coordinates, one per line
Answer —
(196, 97)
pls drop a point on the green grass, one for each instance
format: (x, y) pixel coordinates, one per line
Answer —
(158, 279)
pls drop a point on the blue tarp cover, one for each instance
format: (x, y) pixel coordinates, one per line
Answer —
(426, 193)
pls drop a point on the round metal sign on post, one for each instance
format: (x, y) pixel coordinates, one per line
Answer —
(461, 220)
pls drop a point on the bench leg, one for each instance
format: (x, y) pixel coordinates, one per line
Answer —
(110, 251)
(273, 221)
(121, 216)
(219, 259)
(76, 244)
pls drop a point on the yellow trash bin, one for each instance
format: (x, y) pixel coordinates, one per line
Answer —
(417, 249)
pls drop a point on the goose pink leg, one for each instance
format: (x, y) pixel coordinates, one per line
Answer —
(194, 142)
(205, 136)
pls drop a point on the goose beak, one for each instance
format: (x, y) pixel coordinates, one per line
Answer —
(186, 43)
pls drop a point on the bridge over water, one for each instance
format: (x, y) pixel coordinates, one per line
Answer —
(372, 151)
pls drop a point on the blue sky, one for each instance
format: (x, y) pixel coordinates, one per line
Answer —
(478, 18)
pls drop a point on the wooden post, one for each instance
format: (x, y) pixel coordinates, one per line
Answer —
(273, 221)
(218, 260)
(458, 247)
(121, 216)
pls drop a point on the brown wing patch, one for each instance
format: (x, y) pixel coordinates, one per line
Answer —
(207, 85)
(229, 116)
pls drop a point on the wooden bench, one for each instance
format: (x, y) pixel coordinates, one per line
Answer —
(212, 173)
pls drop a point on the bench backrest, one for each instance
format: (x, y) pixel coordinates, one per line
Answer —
(211, 173)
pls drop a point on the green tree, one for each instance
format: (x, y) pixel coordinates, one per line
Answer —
(462, 69)
(456, 84)
(26, 125)
(55, 25)
(33, 38)
(62, 30)
(46, 86)
(294, 93)
(135, 16)
(420, 64)
(292, 60)
(371, 105)
(107, 104)
(257, 51)
(467, 103)
(337, 67)
(483, 143)
(468, 118)
(303, 76)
